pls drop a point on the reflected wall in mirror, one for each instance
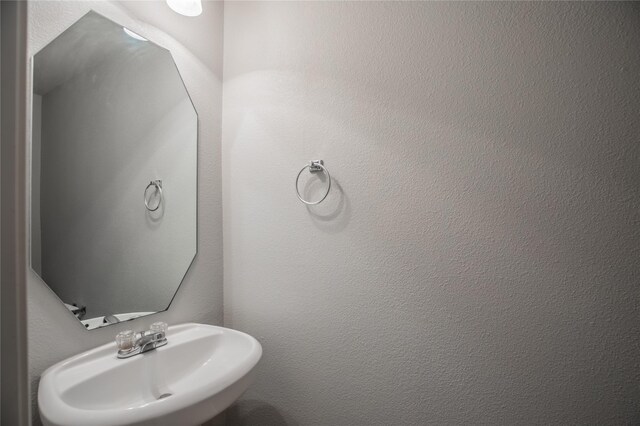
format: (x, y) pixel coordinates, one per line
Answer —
(114, 169)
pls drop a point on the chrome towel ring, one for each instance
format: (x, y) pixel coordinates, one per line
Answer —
(158, 185)
(314, 167)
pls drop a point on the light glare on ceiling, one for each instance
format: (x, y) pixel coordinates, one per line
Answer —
(186, 7)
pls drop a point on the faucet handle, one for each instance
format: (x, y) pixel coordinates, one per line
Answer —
(125, 340)
(159, 327)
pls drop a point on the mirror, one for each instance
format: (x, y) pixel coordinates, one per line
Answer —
(113, 173)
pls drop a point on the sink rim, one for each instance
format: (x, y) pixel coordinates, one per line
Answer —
(55, 409)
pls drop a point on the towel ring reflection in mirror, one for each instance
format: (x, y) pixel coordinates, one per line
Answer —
(314, 167)
(157, 184)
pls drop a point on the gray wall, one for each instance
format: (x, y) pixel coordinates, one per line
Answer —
(13, 224)
(100, 247)
(54, 334)
(477, 260)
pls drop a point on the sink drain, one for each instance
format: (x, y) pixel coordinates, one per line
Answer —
(165, 395)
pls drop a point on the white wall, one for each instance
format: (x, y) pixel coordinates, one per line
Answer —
(54, 334)
(476, 261)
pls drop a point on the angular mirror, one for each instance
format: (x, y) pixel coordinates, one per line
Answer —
(113, 176)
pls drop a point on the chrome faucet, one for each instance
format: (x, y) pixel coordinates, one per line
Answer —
(131, 343)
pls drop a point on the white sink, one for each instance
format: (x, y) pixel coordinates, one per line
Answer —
(201, 371)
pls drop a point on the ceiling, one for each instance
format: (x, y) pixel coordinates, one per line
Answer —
(200, 34)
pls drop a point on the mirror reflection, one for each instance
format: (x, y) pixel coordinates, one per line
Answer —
(113, 175)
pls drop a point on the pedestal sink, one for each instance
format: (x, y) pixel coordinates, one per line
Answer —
(201, 371)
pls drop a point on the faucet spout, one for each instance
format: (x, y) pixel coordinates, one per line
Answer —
(149, 340)
(146, 341)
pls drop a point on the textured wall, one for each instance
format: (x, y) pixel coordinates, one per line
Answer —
(477, 260)
(53, 333)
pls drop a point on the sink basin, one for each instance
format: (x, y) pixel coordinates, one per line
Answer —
(201, 371)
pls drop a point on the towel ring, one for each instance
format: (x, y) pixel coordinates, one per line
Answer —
(158, 185)
(314, 167)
